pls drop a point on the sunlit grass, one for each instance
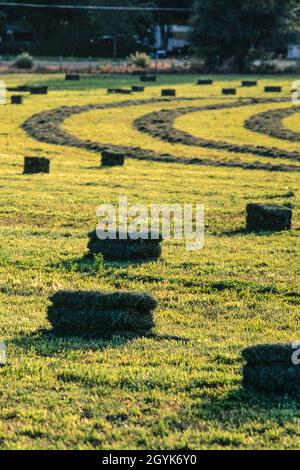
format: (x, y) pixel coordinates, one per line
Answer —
(227, 125)
(101, 126)
(292, 122)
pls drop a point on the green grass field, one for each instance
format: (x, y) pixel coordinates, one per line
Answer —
(66, 393)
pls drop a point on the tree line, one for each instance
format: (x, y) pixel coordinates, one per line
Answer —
(87, 33)
(237, 32)
(232, 32)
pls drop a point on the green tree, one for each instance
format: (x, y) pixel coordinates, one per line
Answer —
(92, 32)
(3, 22)
(124, 28)
(78, 32)
(231, 29)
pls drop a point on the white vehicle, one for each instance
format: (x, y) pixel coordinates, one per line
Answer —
(171, 38)
(294, 51)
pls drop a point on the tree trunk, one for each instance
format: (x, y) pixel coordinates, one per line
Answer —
(115, 46)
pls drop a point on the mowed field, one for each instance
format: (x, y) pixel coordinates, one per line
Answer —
(241, 289)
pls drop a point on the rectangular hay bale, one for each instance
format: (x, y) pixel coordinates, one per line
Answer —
(137, 88)
(269, 354)
(229, 91)
(20, 88)
(16, 99)
(273, 89)
(34, 165)
(272, 378)
(112, 158)
(96, 313)
(120, 91)
(205, 81)
(125, 250)
(168, 92)
(268, 217)
(148, 78)
(72, 77)
(39, 90)
(249, 83)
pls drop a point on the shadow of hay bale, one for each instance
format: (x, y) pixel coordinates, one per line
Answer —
(247, 403)
(242, 231)
(50, 342)
(94, 264)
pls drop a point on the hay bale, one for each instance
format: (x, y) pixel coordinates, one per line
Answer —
(120, 91)
(138, 88)
(229, 91)
(273, 89)
(269, 354)
(95, 314)
(267, 217)
(72, 77)
(20, 88)
(139, 302)
(112, 158)
(92, 322)
(125, 250)
(168, 92)
(16, 99)
(205, 81)
(249, 83)
(34, 165)
(38, 90)
(148, 78)
(23, 88)
(272, 378)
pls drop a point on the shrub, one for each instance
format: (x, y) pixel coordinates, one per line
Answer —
(140, 59)
(24, 61)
